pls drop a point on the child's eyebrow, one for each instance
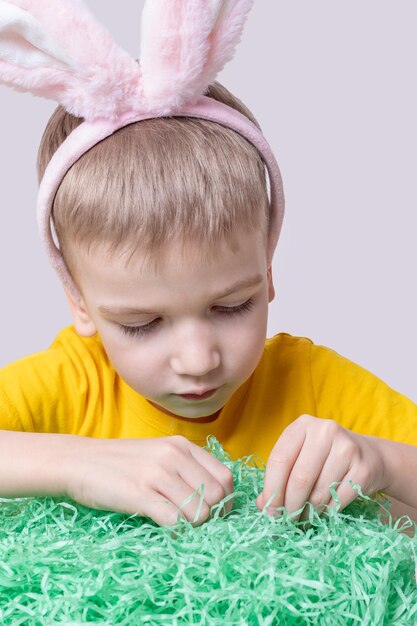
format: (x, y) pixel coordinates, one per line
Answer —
(245, 283)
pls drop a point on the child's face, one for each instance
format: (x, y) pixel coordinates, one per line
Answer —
(192, 339)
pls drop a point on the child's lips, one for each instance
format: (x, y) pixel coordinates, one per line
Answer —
(197, 396)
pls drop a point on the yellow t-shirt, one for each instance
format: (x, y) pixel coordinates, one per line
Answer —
(72, 388)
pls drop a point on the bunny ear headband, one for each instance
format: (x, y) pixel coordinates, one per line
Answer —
(56, 49)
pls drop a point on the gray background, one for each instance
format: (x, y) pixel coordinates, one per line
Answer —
(333, 86)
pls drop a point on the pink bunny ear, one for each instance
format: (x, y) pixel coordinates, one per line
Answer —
(88, 74)
(184, 45)
(225, 36)
(56, 49)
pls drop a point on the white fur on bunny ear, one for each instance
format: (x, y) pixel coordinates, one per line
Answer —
(184, 44)
(23, 41)
(58, 50)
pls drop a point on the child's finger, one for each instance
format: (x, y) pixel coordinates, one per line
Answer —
(205, 486)
(218, 470)
(280, 462)
(181, 501)
(306, 472)
(189, 486)
(345, 493)
(334, 470)
(158, 508)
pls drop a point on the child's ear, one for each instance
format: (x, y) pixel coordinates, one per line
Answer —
(83, 323)
(271, 288)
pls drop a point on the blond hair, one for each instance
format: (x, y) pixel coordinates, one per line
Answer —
(156, 181)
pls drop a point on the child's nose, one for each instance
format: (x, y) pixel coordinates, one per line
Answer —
(195, 355)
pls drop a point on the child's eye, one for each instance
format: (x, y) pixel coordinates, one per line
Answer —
(148, 328)
(231, 310)
(139, 330)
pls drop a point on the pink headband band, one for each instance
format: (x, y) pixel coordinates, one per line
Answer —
(87, 135)
(56, 49)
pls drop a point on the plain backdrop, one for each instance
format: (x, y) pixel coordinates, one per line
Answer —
(333, 86)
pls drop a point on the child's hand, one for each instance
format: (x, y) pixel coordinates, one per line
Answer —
(139, 476)
(310, 454)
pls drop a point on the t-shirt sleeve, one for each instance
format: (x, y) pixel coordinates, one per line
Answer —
(41, 393)
(358, 400)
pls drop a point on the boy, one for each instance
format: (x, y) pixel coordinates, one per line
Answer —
(174, 306)
(166, 236)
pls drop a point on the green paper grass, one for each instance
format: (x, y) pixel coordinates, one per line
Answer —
(63, 563)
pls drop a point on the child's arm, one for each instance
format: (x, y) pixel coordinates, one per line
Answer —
(31, 463)
(149, 477)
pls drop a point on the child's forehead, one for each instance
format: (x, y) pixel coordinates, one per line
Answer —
(176, 255)
(179, 272)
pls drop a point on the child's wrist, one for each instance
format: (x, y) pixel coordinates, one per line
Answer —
(70, 464)
(400, 462)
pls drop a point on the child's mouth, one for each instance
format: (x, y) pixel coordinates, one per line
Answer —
(193, 396)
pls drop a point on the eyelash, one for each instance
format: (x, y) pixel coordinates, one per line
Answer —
(148, 328)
